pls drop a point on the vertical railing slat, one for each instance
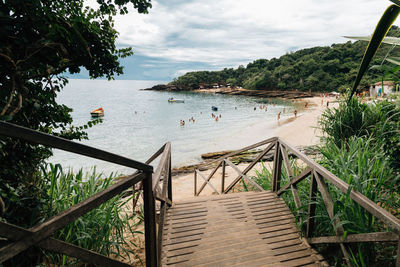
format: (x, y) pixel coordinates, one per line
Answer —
(223, 177)
(149, 222)
(311, 206)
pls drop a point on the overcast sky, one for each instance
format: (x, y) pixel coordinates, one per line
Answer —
(178, 36)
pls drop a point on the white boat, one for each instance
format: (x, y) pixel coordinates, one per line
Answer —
(173, 100)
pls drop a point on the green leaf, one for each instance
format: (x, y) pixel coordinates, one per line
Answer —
(387, 40)
(384, 24)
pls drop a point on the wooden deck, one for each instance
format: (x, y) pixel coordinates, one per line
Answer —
(239, 229)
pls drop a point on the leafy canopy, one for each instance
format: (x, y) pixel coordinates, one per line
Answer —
(41, 40)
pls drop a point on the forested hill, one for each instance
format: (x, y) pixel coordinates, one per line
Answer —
(329, 68)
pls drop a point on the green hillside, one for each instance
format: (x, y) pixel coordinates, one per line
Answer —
(329, 68)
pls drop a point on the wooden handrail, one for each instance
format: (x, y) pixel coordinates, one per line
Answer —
(222, 161)
(47, 228)
(12, 130)
(362, 200)
(40, 235)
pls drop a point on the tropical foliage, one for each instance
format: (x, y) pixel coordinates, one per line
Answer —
(41, 40)
(321, 69)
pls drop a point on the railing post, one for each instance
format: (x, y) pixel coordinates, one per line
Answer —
(169, 178)
(311, 206)
(398, 254)
(149, 221)
(277, 171)
(195, 183)
(223, 177)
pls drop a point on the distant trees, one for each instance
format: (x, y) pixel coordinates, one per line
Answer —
(317, 69)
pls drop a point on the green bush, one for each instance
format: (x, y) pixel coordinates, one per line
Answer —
(379, 121)
(105, 230)
(351, 118)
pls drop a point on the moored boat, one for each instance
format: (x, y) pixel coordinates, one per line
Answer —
(97, 113)
(173, 100)
(214, 108)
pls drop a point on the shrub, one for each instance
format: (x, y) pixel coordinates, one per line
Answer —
(105, 230)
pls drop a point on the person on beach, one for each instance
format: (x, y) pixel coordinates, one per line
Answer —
(279, 116)
(295, 113)
(216, 118)
(212, 115)
(322, 101)
(306, 105)
(327, 103)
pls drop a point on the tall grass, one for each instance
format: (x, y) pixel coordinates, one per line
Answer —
(105, 230)
(379, 121)
(362, 164)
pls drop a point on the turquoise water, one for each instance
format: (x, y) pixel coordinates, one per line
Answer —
(137, 122)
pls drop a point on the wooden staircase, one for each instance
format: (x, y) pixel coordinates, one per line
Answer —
(240, 229)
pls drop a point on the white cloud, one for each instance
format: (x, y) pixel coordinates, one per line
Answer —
(230, 32)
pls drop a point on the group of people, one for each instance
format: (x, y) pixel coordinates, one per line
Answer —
(283, 111)
(215, 116)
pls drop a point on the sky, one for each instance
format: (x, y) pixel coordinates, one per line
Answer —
(178, 36)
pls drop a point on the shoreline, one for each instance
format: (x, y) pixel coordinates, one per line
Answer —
(301, 131)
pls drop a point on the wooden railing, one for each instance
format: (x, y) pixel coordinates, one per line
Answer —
(319, 177)
(21, 239)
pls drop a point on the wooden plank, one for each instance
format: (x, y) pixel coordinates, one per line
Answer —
(164, 205)
(286, 161)
(296, 198)
(398, 254)
(323, 188)
(356, 238)
(380, 213)
(234, 153)
(195, 184)
(149, 222)
(243, 175)
(12, 130)
(223, 177)
(162, 165)
(208, 178)
(204, 253)
(277, 171)
(329, 207)
(206, 181)
(250, 166)
(45, 229)
(296, 180)
(169, 177)
(225, 254)
(311, 206)
(14, 233)
(162, 198)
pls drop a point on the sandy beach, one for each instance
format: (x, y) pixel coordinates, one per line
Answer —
(298, 131)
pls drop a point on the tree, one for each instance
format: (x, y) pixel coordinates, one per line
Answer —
(41, 40)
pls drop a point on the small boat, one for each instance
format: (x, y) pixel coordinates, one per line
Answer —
(214, 108)
(173, 100)
(97, 113)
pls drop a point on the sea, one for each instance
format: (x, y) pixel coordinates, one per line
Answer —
(138, 122)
